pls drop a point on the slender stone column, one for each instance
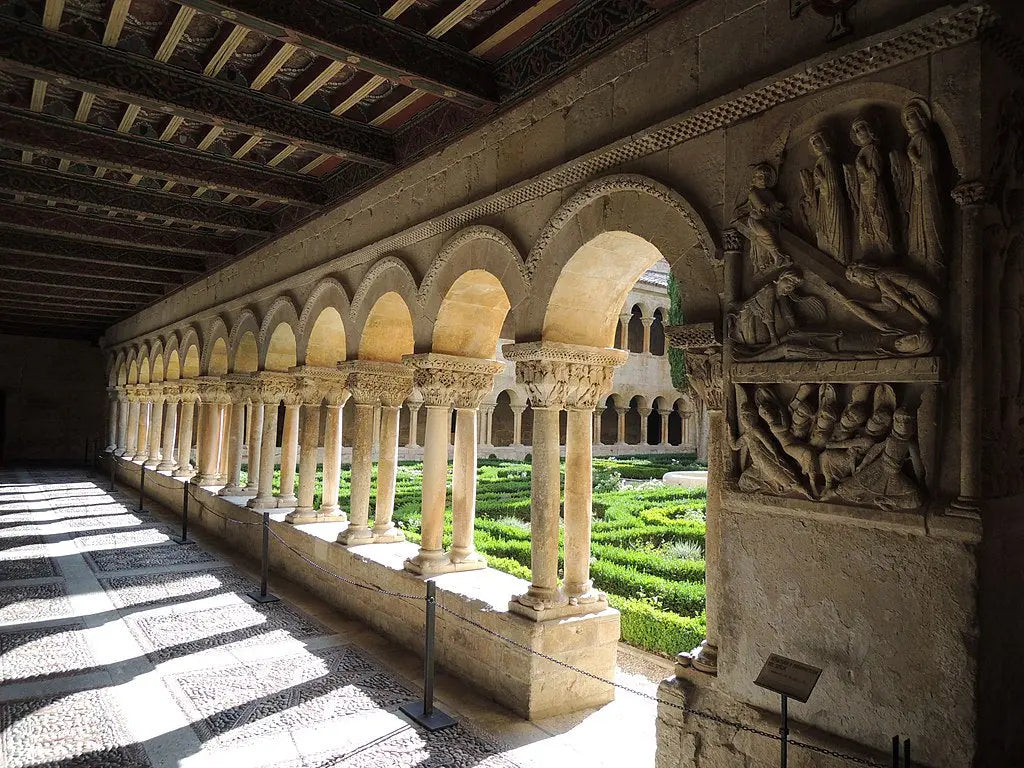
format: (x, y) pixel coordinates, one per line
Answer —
(189, 395)
(212, 395)
(239, 394)
(329, 508)
(358, 531)
(113, 415)
(560, 375)
(311, 396)
(131, 442)
(289, 453)
(272, 388)
(170, 461)
(384, 529)
(647, 322)
(156, 426)
(517, 424)
(255, 440)
(596, 436)
(971, 196)
(224, 411)
(620, 438)
(375, 441)
(414, 412)
(142, 438)
(664, 426)
(624, 319)
(488, 437)
(430, 558)
(122, 421)
(645, 414)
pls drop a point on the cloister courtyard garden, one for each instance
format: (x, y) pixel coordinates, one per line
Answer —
(647, 549)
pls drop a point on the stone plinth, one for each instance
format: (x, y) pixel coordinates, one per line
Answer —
(525, 683)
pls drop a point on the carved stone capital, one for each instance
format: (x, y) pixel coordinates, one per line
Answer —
(212, 389)
(702, 347)
(732, 241)
(172, 392)
(188, 390)
(970, 194)
(559, 375)
(273, 387)
(241, 388)
(373, 382)
(451, 380)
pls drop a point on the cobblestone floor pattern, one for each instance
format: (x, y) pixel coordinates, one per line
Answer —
(120, 648)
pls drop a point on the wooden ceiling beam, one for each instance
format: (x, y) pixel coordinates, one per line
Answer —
(46, 246)
(29, 308)
(100, 286)
(78, 188)
(343, 32)
(49, 301)
(94, 146)
(31, 218)
(30, 51)
(108, 271)
(70, 296)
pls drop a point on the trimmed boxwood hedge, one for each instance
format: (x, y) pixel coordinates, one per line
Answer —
(661, 598)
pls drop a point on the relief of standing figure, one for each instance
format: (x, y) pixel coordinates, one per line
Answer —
(916, 174)
(865, 181)
(824, 201)
(764, 217)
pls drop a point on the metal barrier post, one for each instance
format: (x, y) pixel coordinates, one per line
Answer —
(142, 489)
(423, 712)
(184, 515)
(895, 752)
(784, 732)
(263, 596)
(113, 462)
(85, 461)
(906, 753)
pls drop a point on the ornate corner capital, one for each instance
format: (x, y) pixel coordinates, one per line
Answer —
(172, 392)
(318, 383)
(212, 389)
(702, 347)
(241, 388)
(971, 194)
(559, 375)
(647, 321)
(188, 390)
(732, 240)
(157, 393)
(274, 387)
(377, 382)
(451, 380)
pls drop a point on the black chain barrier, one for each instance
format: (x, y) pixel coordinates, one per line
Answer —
(430, 604)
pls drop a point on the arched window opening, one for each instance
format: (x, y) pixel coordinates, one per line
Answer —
(658, 333)
(636, 330)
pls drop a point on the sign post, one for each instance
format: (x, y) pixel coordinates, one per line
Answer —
(790, 679)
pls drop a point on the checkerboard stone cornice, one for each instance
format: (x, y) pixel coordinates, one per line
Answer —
(930, 33)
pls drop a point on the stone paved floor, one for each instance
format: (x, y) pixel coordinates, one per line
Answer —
(120, 648)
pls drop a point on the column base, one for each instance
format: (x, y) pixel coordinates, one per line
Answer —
(302, 515)
(183, 473)
(354, 536)
(287, 501)
(167, 466)
(262, 503)
(387, 535)
(249, 490)
(153, 463)
(110, 448)
(140, 458)
(231, 490)
(206, 480)
(966, 507)
(119, 452)
(467, 561)
(704, 658)
(536, 610)
(428, 563)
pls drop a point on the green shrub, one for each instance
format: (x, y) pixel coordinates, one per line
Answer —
(683, 550)
(653, 563)
(683, 597)
(655, 630)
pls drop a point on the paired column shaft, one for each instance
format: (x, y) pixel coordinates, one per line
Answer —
(156, 433)
(332, 463)
(289, 451)
(545, 497)
(464, 488)
(578, 506)
(236, 438)
(123, 407)
(169, 461)
(208, 455)
(435, 488)
(142, 438)
(387, 473)
(268, 444)
(362, 470)
(309, 442)
(184, 470)
(255, 441)
(132, 437)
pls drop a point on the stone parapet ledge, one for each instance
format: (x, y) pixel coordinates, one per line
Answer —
(686, 740)
(526, 683)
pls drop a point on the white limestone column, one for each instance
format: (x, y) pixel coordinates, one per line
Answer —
(188, 408)
(488, 425)
(545, 503)
(224, 411)
(647, 323)
(329, 508)
(376, 430)
(255, 441)
(156, 431)
(463, 554)
(289, 451)
(624, 319)
(384, 529)
(131, 443)
(264, 497)
(308, 444)
(620, 438)
(435, 489)
(414, 412)
(645, 414)
(596, 436)
(208, 449)
(517, 424)
(122, 423)
(664, 426)
(142, 438)
(113, 412)
(358, 531)
(236, 438)
(170, 461)
(578, 507)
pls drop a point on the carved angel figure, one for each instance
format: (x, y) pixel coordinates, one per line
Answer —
(879, 478)
(899, 290)
(865, 182)
(764, 216)
(824, 201)
(765, 470)
(916, 175)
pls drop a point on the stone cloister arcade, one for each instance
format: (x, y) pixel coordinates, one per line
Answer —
(230, 381)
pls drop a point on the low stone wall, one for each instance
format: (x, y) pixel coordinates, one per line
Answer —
(687, 740)
(525, 683)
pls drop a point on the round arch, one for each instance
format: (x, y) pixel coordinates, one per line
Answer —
(189, 349)
(471, 316)
(600, 243)
(388, 332)
(389, 275)
(322, 338)
(214, 360)
(277, 343)
(243, 347)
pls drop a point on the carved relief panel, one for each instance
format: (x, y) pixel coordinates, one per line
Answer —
(834, 341)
